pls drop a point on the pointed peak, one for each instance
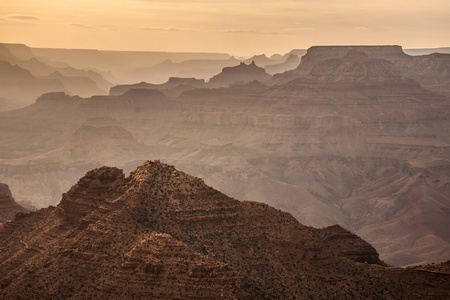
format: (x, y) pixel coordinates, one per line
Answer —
(97, 186)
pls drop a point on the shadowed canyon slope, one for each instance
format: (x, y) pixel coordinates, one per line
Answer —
(93, 72)
(346, 138)
(20, 68)
(163, 234)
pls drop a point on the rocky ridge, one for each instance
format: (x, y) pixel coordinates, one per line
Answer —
(161, 233)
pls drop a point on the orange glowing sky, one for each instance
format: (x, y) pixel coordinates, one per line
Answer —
(238, 27)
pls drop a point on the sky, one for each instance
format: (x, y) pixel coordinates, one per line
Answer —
(237, 27)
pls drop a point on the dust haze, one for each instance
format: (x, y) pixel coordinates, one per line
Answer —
(349, 135)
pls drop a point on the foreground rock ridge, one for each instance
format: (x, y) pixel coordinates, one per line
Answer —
(162, 234)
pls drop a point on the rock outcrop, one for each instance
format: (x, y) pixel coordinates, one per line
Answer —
(318, 54)
(355, 67)
(8, 206)
(431, 71)
(239, 74)
(163, 234)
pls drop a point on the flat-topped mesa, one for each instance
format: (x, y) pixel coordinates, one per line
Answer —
(144, 94)
(382, 51)
(318, 54)
(173, 82)
(355, 66)
(157, 179)
(8, 206)
(94, 189)
(133, 100)
(56, 97)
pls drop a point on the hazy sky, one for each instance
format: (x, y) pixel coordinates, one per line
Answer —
(238, 27)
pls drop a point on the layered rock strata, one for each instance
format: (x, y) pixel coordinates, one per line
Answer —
(161, 233)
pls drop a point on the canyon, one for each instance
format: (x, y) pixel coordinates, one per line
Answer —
(354, 135)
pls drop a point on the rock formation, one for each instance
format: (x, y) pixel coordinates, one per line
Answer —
(162, 234)
(290, 63)
(431, 71)
(15, 78)
(21, 68)
(8, 206)
(239, 74)
(355, 67)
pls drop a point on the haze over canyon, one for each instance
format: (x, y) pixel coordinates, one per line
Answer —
(334, 137)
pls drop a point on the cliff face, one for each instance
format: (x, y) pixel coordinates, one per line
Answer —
(431, 71)
(161, 233)
(8, 206)
(355, 67)
(318, 54)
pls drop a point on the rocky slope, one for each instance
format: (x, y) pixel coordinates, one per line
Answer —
(20, 67)
(14, 78)
(8, 206)
(290, 63)
(161, 233)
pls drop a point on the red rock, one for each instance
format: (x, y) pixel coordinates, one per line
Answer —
(163, 234)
